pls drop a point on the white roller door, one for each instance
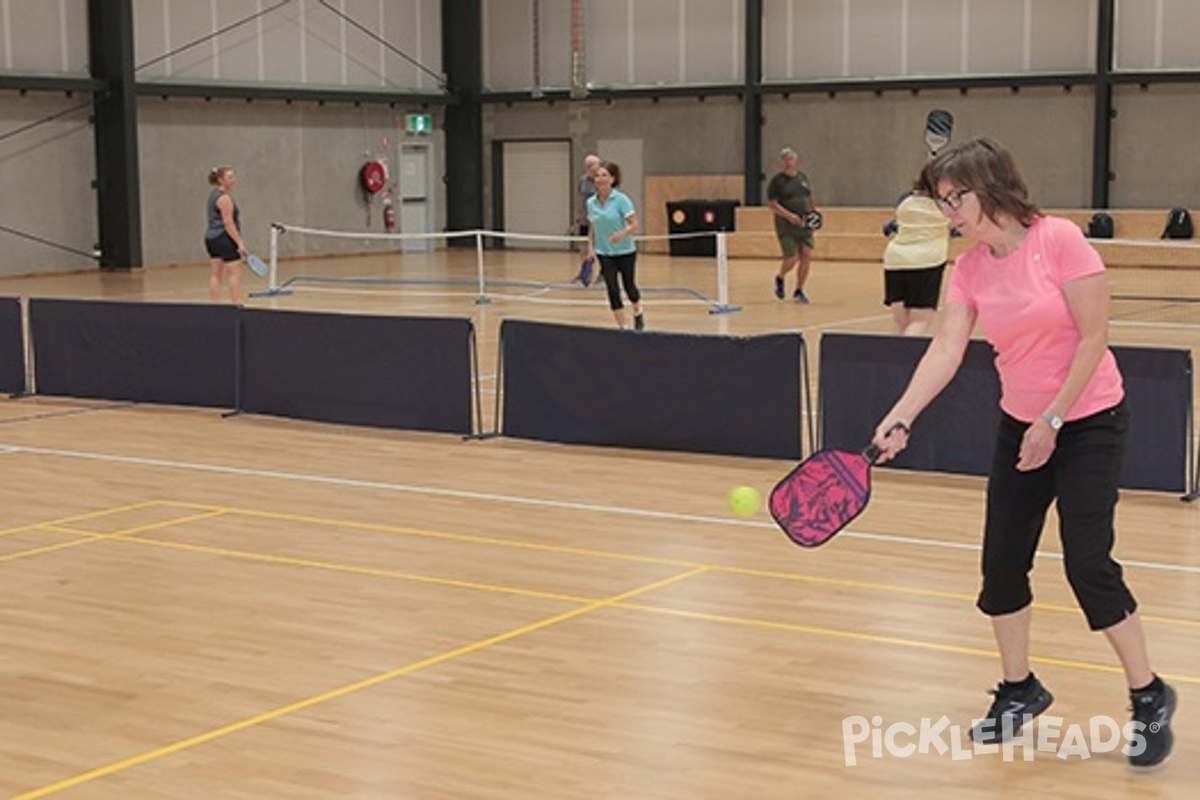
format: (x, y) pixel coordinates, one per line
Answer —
(537, 192)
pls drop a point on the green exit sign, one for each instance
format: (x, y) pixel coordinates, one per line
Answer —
(418, 123)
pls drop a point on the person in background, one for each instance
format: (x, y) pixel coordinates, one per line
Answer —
(613, 222)
(223, 236)
(790, 198)
(585, 189)
(1039, 293)
(915, 259)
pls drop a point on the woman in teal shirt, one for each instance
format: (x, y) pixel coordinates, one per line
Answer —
(612, 222)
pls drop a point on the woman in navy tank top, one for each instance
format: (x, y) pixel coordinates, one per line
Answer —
(223, 236)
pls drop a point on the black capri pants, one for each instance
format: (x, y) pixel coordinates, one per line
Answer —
(1082, 476)
(622, 265)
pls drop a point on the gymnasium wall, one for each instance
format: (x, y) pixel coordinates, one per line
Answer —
(294, 162)
(297, 161)
(47, 174)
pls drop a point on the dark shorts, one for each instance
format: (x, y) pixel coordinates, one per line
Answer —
(915, 288)
(222, 247)
(790, 241)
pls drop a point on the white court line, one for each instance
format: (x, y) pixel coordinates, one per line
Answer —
(527, 501)
(833, 325)
(532, 297)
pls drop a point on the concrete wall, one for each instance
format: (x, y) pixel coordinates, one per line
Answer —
(46, 169)
(296, 163)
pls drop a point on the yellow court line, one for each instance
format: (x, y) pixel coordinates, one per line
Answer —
(465, 538)
(549, 548)
(888, 640)
(88, 537)
(354, 570)
(81, 517)
(335, 694)
(149, 526)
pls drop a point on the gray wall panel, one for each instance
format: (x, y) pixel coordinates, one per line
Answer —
(935, 44)
(1181, 34)
(239, 60)
(283, 46)
(1158, 34)
(876, 38)
(715, 39)
(657, 45)
(45, 37)
(301, 42)
(47, 172)
(863, 150)
(188, 21)
(996, 36)
(296, 163)
(816, 39)
(508, 43)
(1154, 138)
(608, 43)
(1063, 36)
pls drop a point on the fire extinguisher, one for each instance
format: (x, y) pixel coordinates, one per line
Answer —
(389, 211)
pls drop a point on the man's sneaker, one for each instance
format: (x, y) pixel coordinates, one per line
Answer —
(1012, 708)
(639, 322)
(1153, 710)
(800, 297)
(779, 286)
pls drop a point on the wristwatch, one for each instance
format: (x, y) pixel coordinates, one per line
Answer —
(1053, 420)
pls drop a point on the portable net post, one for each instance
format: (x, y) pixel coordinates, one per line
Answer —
(722, 305)
(482, 299)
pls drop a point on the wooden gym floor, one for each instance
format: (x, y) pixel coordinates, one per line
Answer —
(200, 607)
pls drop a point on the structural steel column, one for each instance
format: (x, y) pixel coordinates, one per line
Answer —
(462, 51)
(110, 44)
(1103, 111)
(752, 107)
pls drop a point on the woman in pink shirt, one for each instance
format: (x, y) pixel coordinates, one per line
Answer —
(1039, 293)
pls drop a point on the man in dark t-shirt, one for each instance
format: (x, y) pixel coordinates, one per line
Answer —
(790, 198)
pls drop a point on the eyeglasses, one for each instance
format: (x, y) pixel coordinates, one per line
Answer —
(954, 200)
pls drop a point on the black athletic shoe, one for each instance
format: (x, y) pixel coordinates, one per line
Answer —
(779, 287)
(639, 322)
(800, 297)
(1153, 710)
(1012, 708)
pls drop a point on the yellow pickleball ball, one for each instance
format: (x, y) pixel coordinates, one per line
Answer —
(744, 500)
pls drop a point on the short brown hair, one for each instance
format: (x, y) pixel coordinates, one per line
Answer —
(986, 168)
(216, 173)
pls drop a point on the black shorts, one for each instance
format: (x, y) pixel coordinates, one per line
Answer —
(222, 247)
(916, 288)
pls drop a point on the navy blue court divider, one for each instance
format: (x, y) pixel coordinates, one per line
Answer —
(861, 376)
(602, 386)
(1158, 388)
(413, 373)
(177, 354)
(12, 347)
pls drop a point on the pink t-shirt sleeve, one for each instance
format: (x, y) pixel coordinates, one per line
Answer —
(1075, 258)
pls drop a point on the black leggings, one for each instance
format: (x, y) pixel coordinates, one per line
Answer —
(610, 267)
(1082, 476)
